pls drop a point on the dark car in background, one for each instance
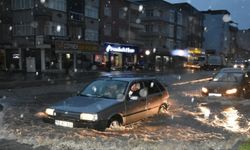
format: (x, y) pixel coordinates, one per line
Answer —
(228, 82)
(110, 102)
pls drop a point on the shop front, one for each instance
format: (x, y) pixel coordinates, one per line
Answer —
(76, 56)
(120, 56)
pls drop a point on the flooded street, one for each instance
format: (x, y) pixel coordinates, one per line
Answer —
(193, 122)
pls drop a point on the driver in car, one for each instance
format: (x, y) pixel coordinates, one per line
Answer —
(134, 90)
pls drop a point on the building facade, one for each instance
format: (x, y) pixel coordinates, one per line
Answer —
(50, 35)
(243, 37)
(216, 32)
(120, 26)
(189, 26)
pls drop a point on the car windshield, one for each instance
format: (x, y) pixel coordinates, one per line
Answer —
(110, 89)
(228, 77)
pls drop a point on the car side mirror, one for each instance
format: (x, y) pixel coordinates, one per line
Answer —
(143, 93)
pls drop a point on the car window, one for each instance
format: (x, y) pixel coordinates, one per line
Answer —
(160, 86)
(228, 77)
(110, 89)
(152, 87)
(134, 90)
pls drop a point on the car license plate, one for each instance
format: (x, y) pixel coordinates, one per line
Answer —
(64, 123)
(215, 94)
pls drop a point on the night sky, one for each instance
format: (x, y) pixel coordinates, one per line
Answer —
(239, 9)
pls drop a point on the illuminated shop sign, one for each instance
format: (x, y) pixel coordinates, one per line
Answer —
(109, 47)
(119, 49)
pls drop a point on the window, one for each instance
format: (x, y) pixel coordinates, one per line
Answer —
(152, 87)
(171, 16)
(171, 30)
(22, 4)
(158, 13)
(134, 90)
(179, 32)
(23, 30)
(149, 13)
(160, 86)
(91, 35)
(179, 19)
(75, 32)
(170, 43)
(76, 16)
(179, 44)
(91, 12)
(149, 28)
(122, 33)
(107, 29)
(107, 11)
(57, 4)
(156, 28)
(53, 28)
(122, 13)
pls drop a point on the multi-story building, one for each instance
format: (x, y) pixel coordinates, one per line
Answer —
(51, 34)
(189, 26)
(243, 38)
(159, 21)
(35, 24)
(120, 25)
(216, 32)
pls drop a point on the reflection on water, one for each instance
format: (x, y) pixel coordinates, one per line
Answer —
(205, 111)
(229, 118)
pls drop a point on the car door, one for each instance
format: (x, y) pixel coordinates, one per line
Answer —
(135, 108)
(154, 98)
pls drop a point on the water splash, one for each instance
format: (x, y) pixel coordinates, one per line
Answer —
(228, 118)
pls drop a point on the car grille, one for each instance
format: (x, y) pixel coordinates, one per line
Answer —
(67, 116)
(216, 91)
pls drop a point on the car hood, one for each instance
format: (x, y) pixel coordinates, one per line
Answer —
(222, 85)
(84, 104)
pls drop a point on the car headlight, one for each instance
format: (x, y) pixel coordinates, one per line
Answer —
(204, 90)
(50, 111)
(231, 91)
(88, 117)
(242, 66)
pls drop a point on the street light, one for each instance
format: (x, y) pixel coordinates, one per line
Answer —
(147, 52)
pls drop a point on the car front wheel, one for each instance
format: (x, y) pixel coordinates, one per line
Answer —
(163, 109)
(115, 124)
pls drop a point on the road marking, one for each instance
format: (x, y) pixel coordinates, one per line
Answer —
(193, 81)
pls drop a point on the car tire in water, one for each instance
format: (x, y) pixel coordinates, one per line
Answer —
(114, 124)
(163, 109)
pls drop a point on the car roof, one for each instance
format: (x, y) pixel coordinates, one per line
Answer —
(127, 78)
